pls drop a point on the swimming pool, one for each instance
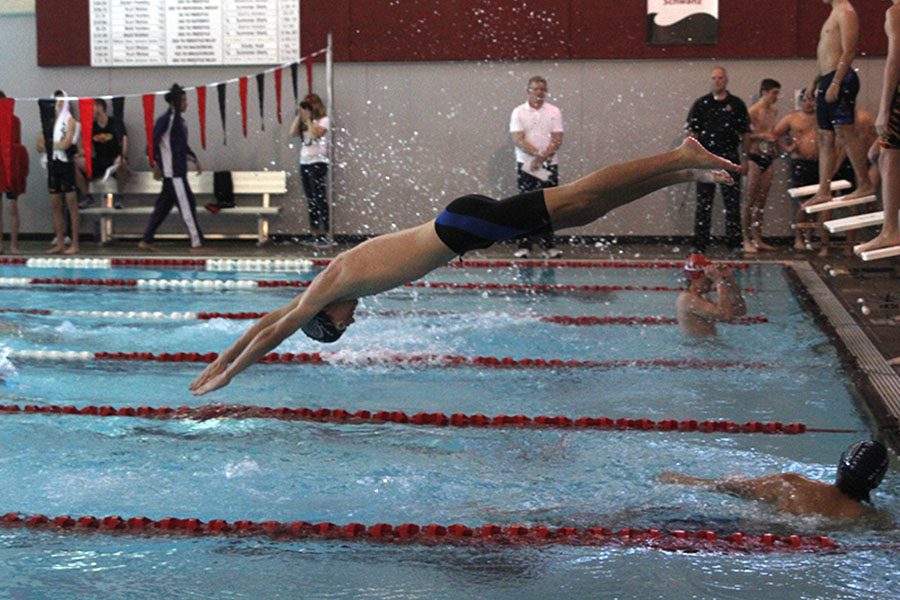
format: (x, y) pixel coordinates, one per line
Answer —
(268, 469)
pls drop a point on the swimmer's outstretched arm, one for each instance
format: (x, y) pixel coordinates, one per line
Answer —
(768, 488)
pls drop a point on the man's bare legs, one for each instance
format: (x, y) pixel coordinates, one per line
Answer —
(846, 136)
(75, 219)
(759, 183)
(889, 166)
(825, 140)
(13, 227)
(59, 222)
(591, 197)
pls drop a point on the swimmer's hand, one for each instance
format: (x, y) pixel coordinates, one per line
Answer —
(212, 384)
(213, 369)
(677, 478)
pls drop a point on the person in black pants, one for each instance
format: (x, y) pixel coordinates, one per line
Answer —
(171, 154)
(721, 123)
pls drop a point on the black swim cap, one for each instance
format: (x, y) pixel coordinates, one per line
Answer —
(322, 329)
(861, 469)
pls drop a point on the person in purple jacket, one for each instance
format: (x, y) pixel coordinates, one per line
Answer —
(171, 155)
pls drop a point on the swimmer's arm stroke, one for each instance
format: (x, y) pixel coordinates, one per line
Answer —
(256, 342)
(768, 488)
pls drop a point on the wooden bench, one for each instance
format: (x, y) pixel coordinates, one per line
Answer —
(262, 184)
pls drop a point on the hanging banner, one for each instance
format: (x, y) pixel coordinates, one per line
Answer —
(201, 113)
(682, 22)
(86, 112)
(148, 100)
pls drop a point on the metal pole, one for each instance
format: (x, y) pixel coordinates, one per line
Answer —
(329, 107)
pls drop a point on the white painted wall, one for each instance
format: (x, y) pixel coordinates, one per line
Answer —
(410, 137)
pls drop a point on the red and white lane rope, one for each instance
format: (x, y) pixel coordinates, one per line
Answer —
(365, 417)
(396, 359)
(433, 534)
(291, 264)
(219, 284)
(238, 316)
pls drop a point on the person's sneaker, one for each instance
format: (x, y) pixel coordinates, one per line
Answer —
(86, 201)
(552, 253)
(117, 201)
(522, 253)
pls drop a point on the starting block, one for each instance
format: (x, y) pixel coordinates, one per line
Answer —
(880, 253)
(838, 203)
(858, 222)
(809, 190)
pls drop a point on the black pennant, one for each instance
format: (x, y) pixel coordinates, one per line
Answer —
(294, 80)
(260, 91)
(48, 119)
(220, 90)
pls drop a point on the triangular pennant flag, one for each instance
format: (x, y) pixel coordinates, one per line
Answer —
(309, 60)
(242, 89)
(278, 73)
(118, 105)
(220, 90)
(201, 113)
(7, 106)
(86, 112)
(47, 106)
(148, 100)
(294, 80)
(260, 91)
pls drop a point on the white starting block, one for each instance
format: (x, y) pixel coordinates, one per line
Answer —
(880, 253)
(809, 190)
(849, 223)
(838, 203)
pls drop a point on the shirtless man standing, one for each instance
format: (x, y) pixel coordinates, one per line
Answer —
(762, 153)
(888, 149)
(836, 86)
(697, 314)
(801, 127)
(860, 470)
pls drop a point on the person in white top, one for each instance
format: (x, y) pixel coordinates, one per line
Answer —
(537, 131)
(61, 174)
(311, 124)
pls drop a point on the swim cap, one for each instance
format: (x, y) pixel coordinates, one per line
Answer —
(322, 329)
(694, 265)
(861, 469)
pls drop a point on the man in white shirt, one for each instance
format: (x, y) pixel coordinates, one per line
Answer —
(537, 131)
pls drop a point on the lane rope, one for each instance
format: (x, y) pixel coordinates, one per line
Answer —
(401, 359)
(208, 315)
(217, 284)
(291, 264)
(678, 540)
(365, 417)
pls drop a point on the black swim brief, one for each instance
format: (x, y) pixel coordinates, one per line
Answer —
(763, 160)
(61, 177)
(843, 110)
(475, 222)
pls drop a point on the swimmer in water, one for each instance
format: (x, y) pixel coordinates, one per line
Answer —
(697, 314)
(471, 222)
(860, 470)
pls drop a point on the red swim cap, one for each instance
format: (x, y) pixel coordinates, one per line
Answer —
(694, 266)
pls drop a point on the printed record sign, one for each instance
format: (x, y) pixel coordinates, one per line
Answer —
(682, 22)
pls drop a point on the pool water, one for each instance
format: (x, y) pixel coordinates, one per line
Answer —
(263, 469)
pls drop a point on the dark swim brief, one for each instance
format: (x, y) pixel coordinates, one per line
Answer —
(843, 110)
(475, 222)
(763, 160)
(890, 139)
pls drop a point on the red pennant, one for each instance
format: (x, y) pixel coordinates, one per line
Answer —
(309, 61)
(201, 113)
(7, 105)
(243, 91)
(86, 114)
(148, 124)
(278, 93)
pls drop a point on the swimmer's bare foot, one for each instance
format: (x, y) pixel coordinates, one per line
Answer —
(878, 242)
(800, 245)
(698, 157)
(761, 245)
(860, 192)
(14, 250)
(712, 176)
(144, 246)
(57, 249)
(823, 251)
(749, 248)
(73, 249)
(199, 250)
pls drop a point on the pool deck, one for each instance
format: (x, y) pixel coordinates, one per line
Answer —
(844, 288)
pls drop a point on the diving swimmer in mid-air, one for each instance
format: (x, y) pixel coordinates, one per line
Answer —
(471, 222)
